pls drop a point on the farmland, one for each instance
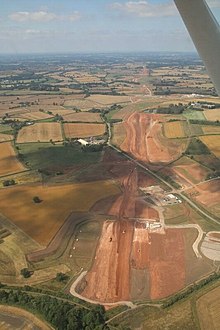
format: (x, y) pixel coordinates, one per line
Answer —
(132, 217)
(86, 117)
(42, 221)
(109, 99)
(76, 130)
(8, 161)
(174, 129)
(207, 309)
(40, 132)
(211, 130)
(213, 143)
(55, 157)
(212, 115)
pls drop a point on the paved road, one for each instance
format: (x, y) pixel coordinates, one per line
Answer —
(74, 293)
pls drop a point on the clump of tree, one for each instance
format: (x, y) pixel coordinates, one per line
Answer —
(26, 273)
(93, 147)
(175, 109)
(61, 314)
(37, 200)
(61, 277)
(7, 183)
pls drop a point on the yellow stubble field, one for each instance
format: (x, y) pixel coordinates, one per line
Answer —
(42, 220)
(81, 130)
(174, 129)
(8, 160)
(42, 132)
(213, 143)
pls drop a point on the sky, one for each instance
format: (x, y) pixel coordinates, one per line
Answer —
(61, 26)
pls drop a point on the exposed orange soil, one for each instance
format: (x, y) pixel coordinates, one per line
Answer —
(87, 117)
(75, 130)
(8, 160)
(167, 263)
(42, 221)
(140, 249)
(109, 278)
(124, 206)
(144, 140)
(142, 210)
(43, 132)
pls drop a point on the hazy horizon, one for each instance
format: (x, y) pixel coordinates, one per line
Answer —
(95, 26)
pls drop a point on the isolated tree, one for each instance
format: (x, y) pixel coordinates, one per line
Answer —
(36, 199)
(26, 273)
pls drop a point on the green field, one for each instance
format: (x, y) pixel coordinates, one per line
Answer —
(196, 147)
(193, 114)
(48, 156)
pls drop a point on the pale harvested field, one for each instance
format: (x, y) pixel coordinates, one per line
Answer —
(208, 307)
(213, 114)
(87, 79)
(119, 134)
(77, 130)
(61, 111)
(42, 132)
(174, 130)
(213, 143)
(5, 137)
(11, 317)
(8, 160)
(108, 99)
(211, 129)
(35, 115)
(86, 117)
(41, 221)
(82, 104)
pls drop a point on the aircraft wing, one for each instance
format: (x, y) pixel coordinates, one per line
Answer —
(205, 33)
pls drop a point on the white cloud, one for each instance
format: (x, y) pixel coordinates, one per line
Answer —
(75, 16)
(37, 16)
(145, 9)
(42, 16)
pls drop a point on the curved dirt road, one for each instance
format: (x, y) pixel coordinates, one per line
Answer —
(75, 294)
